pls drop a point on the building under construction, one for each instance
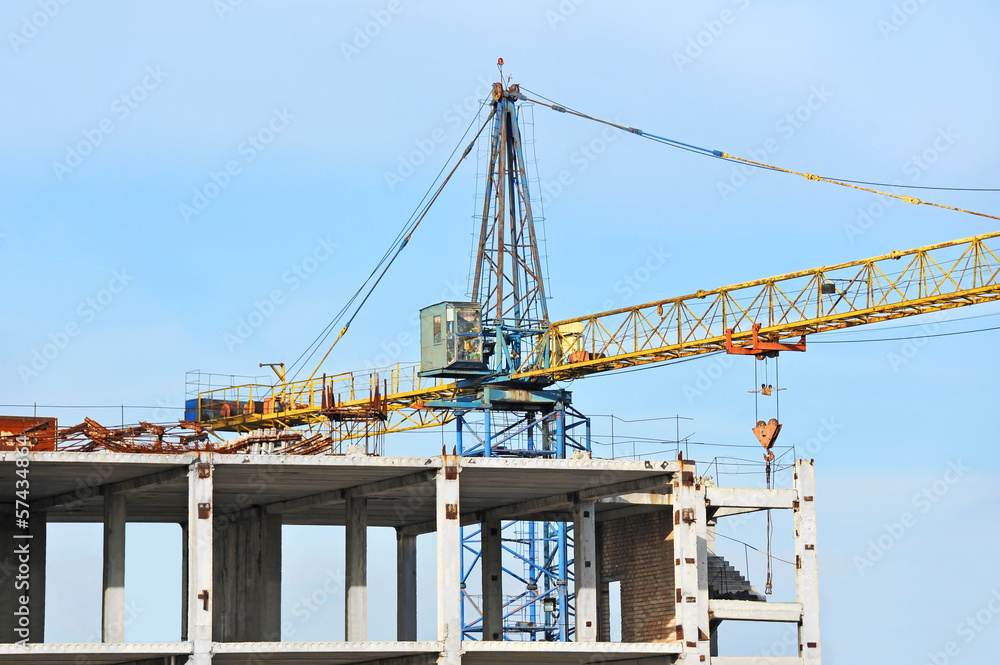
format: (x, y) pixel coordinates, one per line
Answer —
(649, 526)
(521, 485)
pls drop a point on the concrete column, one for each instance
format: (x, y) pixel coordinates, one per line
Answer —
(200, 589)
(38, 530)
(184, 582)
(270, 543)
(806, 566)
(225, 577)
(406, 587)
(585, 572)
(449, 569)
(247, 577)
(492, 567)
(113, 617)
(8, 573)
(713, 626)
(356, 609)
(22, 575)
(689, 534)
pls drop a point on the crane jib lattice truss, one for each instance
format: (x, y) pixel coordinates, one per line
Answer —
(787, 307)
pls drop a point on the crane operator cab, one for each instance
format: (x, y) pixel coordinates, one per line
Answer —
(451, 340)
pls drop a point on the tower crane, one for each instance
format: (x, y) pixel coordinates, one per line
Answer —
(498, 356)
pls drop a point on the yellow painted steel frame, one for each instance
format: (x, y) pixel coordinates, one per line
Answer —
(899, 284)
(405, 387)
(891, 286)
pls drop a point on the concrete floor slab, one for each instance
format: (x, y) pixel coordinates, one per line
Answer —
(554, 653)
(67, 485)
(326, 653)
(93, 654)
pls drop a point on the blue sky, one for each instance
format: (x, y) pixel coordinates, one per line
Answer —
(311, 142)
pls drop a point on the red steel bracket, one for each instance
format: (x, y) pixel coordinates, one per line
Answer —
(762, 349)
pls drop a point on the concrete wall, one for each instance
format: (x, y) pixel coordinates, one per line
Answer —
(638, 551)
(247, 577)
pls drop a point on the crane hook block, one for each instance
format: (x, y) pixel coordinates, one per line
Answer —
(767, 433)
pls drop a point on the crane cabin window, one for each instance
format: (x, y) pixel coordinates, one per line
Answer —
(437, 329)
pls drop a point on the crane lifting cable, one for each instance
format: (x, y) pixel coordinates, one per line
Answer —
(402, 239)
(719, 154)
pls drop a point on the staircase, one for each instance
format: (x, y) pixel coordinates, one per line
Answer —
(726, 583)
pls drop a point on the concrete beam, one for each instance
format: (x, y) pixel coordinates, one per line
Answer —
(406, 587)
(627, 505)
(585, 572)
(756, 660)
(750, 610)
(492, 583)
(113, 607)
(627, 487)
(123, 487)
(757, 499)
(305, 502)
(392, 484)
(356, 584)
(718, 513)
(806, 564)
(335, 496)
(532, 507)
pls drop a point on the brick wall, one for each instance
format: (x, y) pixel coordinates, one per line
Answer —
(638, 551)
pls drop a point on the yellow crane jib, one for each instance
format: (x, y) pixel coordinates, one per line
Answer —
(778, 310)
